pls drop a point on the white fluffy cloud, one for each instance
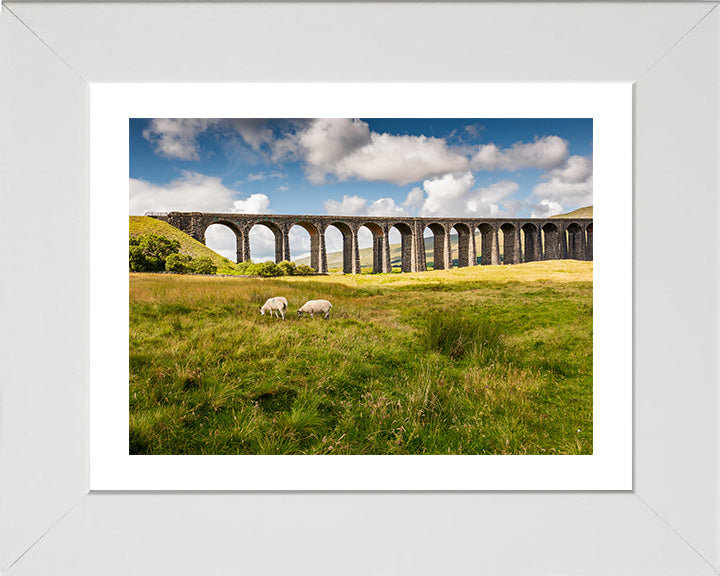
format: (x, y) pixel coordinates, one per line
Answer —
(446, 195)
(565, 194)
(545, 208)
(570, 185)
(400, 160)
(346, 148)
(176, 138)
(253, 204)
(192, 192)
(357, 206)
(454, 194)
(576, 169)
(545, 153)
(328, 140)
(415, 199)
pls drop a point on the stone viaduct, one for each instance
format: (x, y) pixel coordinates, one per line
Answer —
(524, 239)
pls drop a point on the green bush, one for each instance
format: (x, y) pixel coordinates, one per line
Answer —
(242, 267)
(179, 263)
(305, 270)
(203, 265)
(288, 268)
(138, 261)
(249, 268)
(148, 252)
(267, 269)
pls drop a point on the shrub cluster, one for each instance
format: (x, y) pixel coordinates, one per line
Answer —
(149, 252)
(178, 263)
(269, 269)
(184, 264)
(203, 265)
(155, 253)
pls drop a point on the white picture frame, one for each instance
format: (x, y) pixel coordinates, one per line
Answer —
(49, 523)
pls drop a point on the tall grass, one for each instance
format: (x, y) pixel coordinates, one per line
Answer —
(456, 335)
(472, 361)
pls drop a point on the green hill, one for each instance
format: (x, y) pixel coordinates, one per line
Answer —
(188, 245)
(586, 212)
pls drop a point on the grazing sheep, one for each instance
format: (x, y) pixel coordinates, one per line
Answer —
(315, 307)
(277, 305)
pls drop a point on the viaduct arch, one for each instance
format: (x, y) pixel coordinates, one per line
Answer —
(524, 239)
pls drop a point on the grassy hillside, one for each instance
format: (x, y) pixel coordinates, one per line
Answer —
(586, 212)
(188, 245)
(481, 360)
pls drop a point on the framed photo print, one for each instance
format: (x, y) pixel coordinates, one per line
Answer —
(431, 198)
(282, 278)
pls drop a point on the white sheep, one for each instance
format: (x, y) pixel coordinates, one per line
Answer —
(315, 307)
(277, 305)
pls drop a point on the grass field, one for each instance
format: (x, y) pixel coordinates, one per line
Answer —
(482, 360)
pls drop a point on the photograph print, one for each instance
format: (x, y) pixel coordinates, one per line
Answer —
(350, 286)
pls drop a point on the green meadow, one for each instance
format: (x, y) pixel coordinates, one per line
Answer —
(481, 360)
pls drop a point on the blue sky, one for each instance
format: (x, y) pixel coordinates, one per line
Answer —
(412, 167)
